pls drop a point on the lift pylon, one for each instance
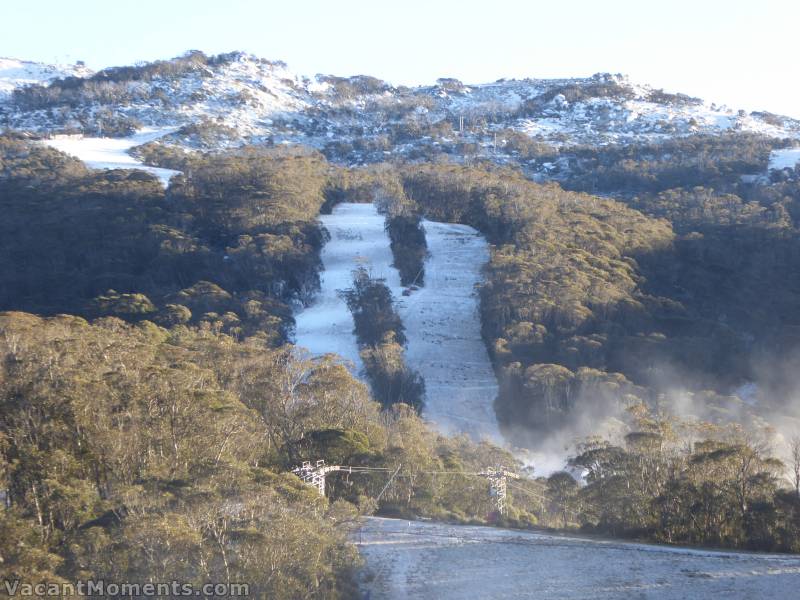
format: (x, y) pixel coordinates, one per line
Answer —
(498, 478)
(314, 473)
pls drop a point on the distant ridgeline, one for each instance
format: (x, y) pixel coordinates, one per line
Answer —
(549, 127)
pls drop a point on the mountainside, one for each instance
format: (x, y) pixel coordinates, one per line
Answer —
(18, 73)
(724, 181)
(718, 188)
(602, 274)
(237, 98)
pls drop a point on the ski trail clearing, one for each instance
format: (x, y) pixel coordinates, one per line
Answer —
(444, 334)
(112, 153)
(785, 158)
(358, 239)
(441, 319)
(435, 561)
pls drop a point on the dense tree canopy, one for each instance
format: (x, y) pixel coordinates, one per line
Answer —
(233, 240)
(147, 436)
(381, 336)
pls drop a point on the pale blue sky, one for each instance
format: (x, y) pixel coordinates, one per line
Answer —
(741, 53)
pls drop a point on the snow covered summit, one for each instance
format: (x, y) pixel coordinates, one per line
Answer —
(17, 73)
(237, 98)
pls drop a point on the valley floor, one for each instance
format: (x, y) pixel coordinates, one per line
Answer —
(435, 561)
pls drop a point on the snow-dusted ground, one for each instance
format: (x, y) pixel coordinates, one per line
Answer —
(263, 100)
(441, 319)
(16, 73)
(112, 153)
(785, 158)
(434, 561)
(444, 333)
(357, 239)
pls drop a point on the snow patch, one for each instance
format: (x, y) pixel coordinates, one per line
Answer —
(112, 153)
(358, 239)
(17, 73)
(435, 561)
(786, 158)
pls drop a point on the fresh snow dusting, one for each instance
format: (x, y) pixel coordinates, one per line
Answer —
(441, 319)
(444, 334)
(259, 101)
(112, 153)
(620, 120)
(358, 239)
(244, 95)
(784, 159)
(435, 561)
(16, 73)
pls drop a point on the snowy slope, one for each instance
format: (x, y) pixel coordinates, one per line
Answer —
(16, 73)
(358, 239)
(786, 158)
(630, 112)
(112, 153)
(444, 334)
(243, 93)
(260, 100)
(441, 319)
(434, 561)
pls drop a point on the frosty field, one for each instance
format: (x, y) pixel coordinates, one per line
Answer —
(434, 561)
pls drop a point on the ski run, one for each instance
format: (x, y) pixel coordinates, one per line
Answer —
(112, 153)
(441, 318)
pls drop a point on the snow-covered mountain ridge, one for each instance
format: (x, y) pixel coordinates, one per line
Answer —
(17, 73)
(238, 98)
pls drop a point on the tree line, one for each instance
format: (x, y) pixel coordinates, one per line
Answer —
(131, 452)
(229, 246)
(381, 337)
(683, 482)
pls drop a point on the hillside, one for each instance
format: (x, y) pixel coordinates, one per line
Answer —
(237, 98)
(16, 73)
(649, 305)
(213, 270)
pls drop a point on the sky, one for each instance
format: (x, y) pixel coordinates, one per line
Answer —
(744, 54)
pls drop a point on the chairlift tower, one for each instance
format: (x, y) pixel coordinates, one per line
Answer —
(314, 474)
(498, 478)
